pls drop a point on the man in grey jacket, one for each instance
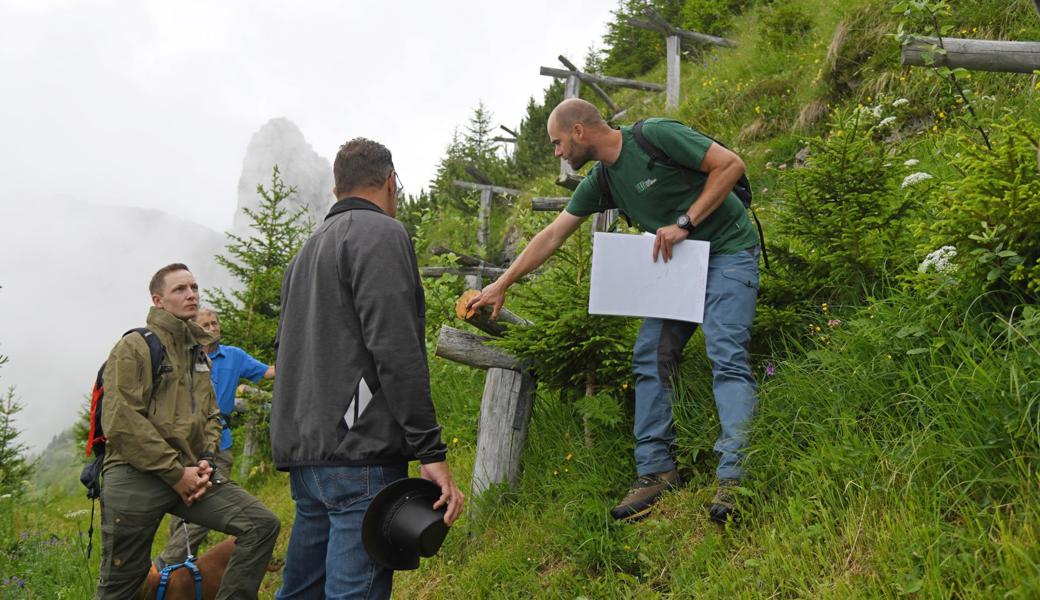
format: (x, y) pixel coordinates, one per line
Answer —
(352, 399)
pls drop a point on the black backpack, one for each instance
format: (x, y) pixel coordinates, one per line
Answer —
(742, 189)
(90, 477)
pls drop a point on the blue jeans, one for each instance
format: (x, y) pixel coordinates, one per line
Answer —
(729, 311)
(326, 558)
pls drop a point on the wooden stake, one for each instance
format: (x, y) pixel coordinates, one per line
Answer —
(505, 413)
(672, 94)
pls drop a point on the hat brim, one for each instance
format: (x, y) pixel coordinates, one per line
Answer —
(376, 544)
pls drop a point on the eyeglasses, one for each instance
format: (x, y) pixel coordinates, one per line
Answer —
(399, 186)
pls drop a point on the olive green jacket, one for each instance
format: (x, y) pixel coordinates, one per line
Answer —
(164, 434)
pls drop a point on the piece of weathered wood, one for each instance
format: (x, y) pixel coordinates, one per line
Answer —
(481, 317)
(509, 131)
(602, 221)
(480, 186)
(505, 414)
(477, 174)
(603, 79)
(464, 259)
(614, 108)
(507, 140)
(570, 180)
(469, 349)
(694, 36)
(974, 55)
(494, 272)
(484, 219)
(571, 89)
(672, 60)
(546, 204)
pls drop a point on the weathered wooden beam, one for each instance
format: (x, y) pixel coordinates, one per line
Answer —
(693, 36)
(494, 188)
(974, 55)
(517, 135)
(603, 79)
(672, 60)
(481, 317)
(477, 174)
(469, 349)
(507, 140)
(464, 259)
(547, 204)
(570, 180)
(505, 414)
(614, 108)
(494, 272)
(641, 24)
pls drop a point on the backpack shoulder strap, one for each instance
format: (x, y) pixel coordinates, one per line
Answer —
(604, 185)
(156, 352)
(656, 154)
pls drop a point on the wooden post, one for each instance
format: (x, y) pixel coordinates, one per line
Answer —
(672, 93)
(974, 55)
(505, 413)
(615, 110)
(484, 218)
(248, 447)
(505, 406)
(571, 90)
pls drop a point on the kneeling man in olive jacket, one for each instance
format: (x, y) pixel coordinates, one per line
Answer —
(161, 439)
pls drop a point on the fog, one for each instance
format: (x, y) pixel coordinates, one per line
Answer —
(124, 124)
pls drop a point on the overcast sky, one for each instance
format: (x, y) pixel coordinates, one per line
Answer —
(151, 104)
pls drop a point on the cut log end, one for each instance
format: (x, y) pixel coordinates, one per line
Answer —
(462, 309)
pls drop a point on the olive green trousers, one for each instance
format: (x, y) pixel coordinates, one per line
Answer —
(133, 504)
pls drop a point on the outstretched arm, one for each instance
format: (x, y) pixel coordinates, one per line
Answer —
(542, 246)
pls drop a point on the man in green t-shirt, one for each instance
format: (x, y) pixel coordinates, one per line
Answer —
(675, 205)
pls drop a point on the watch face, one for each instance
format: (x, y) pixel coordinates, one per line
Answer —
(683, 220)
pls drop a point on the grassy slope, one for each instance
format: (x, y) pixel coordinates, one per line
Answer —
(876, 474)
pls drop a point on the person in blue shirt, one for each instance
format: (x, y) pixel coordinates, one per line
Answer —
(230, 365)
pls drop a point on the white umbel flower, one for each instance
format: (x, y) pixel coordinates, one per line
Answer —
(914, 179)
(911, 162)
(886, 121)
(900, 102)
(939, 261)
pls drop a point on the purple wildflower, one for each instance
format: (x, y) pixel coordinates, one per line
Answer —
(770, 369)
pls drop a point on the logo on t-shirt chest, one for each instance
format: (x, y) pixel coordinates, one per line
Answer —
(644, 185)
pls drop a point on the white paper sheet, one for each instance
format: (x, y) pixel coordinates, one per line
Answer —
(626, 281)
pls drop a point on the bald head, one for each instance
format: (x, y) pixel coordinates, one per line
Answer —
(574, 111)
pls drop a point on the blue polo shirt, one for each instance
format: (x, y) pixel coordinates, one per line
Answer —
(230, 364)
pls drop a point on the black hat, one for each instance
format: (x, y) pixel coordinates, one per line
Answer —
(400, 524)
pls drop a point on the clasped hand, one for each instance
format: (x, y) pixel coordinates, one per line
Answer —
(194, 483)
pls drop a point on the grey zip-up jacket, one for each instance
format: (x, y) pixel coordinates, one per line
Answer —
(353, 384)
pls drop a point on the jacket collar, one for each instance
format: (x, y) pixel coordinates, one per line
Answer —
(188, 333)
(352, 203)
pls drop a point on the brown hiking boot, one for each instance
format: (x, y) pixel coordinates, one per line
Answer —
(643, 494)
(723, 508)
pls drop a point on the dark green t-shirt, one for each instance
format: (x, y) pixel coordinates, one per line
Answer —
(655, 196)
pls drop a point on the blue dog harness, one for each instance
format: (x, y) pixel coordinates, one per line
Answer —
(189, 563)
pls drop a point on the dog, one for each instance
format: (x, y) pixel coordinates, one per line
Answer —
(181, 585)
